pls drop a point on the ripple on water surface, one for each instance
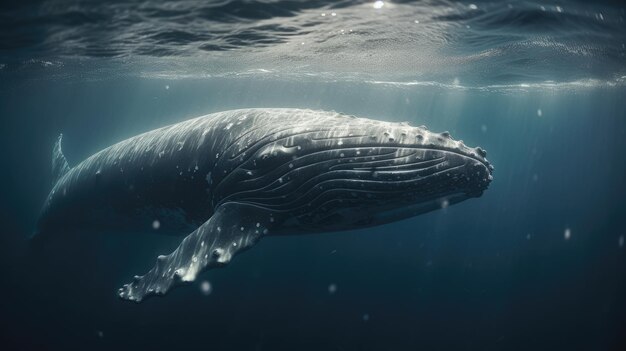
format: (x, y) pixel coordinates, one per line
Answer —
(460, 44)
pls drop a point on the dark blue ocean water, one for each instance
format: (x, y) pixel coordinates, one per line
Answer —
(537, 263)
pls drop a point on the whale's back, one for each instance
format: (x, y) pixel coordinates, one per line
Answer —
(163, 176)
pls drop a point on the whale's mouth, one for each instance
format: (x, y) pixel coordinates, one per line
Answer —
(425, 166)
(355, 217)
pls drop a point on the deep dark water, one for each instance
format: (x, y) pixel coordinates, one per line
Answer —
(463, 277)
(541, 91)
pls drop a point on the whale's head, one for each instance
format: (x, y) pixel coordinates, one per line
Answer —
(345, 172)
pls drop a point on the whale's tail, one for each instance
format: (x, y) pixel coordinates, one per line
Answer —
(59, 163)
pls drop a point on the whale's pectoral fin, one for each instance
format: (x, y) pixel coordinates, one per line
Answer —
(232, 228)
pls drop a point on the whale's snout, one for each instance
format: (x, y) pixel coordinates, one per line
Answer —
(466, 169)
(479, 175)
(478, 170)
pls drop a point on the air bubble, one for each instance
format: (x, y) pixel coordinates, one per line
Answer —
(205, 287)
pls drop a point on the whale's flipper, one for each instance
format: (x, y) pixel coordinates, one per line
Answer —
(59, 163)
(233, 228)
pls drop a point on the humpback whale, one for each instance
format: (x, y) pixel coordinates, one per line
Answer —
(225, 180)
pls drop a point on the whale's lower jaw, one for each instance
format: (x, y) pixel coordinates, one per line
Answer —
(354, 218)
